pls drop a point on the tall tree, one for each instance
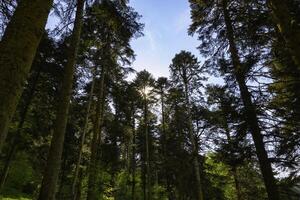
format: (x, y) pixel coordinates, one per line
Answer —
(186, 72)
(96, 138)
(145, 82)
(115, 24)
(46, 48)
(48, 187)
(286, 102)
(162, 86)
(233, 149)
(17, 50)
(239, 73)
(76, 182)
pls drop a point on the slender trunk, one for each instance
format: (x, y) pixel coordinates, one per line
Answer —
(250, 112)
(17, 50)
(85, 129)
(148, 175)
(77, 196)
(7, 165)
(144, 179)
(16, 138)
(165, 148)
(164, 139)
(60, 193)
(48, 187)
(92, 171)
(127, 156)
(237, 184)
(194, 145)
(288, 27)
(133, 158)
(233, 168)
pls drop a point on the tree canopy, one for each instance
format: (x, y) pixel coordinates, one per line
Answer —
(77, 121)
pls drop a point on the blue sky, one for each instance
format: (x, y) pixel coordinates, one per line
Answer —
(165, 34)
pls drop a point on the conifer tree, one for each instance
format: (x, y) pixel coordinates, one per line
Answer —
(17, 50)
(48, 187)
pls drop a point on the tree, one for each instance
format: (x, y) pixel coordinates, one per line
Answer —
(162, 86)
(288, 25)
(127, 101)
(239, 73)
(17, 49)
(285, 102)
(145, 82)
(233, 150)
(97, 128)
(48, 188)
(115, 24)
(186, 72)
(76, 182)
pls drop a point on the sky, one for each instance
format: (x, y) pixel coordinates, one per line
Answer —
(165, 34)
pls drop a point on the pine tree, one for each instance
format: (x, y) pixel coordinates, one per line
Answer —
(17, 50)
(48, 188)
(186, 71)
(238, 71)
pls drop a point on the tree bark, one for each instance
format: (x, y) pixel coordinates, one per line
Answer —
(250, 111)
(165, 146)
(7, 165)
(85, 129)
(48, 187)
(16, 138)
(133, 164)
(79, 185)
(148, 175)
(92, 171)
(60, 194)
(288, 27)
(237, 183)
(17, 50)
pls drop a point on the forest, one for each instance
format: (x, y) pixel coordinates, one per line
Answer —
(77, 121)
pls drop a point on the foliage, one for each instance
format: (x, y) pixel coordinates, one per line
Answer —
(154, 136)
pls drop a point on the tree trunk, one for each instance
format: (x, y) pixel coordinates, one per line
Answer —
(144, 179)
(60, 194)
(85, 129)
(7, 165)
(48, 187)
(288, 27)
(92, 171)
(16, 138)
(148, 175)
(133, 164)
(237, 183)
(250, 111)
(233, 167)
(17, 50)
(165, 146)
(77, 196)
(194, 145)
